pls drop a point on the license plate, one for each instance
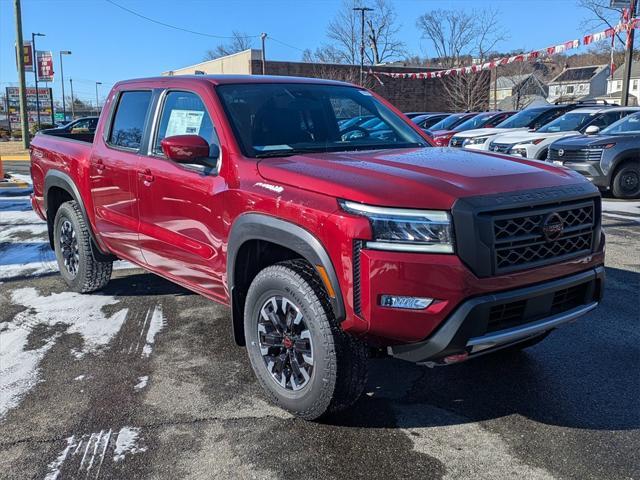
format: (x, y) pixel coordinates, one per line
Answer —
(558, 162)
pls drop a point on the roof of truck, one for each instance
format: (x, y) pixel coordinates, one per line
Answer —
(233, 79)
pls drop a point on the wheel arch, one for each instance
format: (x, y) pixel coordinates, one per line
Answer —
(55, 182)
(288, 241)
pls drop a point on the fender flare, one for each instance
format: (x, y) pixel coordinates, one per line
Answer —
(255, 226)
(56, 178)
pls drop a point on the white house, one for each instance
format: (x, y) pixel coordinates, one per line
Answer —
(579, 83)
(614, 85)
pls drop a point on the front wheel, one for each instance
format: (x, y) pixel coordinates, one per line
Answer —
(304, 361)
(626, 181)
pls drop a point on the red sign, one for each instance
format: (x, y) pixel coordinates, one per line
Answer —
(45, 66)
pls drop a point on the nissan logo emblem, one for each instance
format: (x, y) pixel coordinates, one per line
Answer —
(560, 152)
(552, 227)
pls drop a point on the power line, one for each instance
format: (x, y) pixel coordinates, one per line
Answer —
(133, 12)
(285, 44)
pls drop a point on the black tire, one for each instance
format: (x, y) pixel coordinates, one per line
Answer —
(82, 272)
(339, 361)
(626, 181)
(543, 154)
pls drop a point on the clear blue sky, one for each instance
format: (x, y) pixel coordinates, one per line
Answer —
(109, 44)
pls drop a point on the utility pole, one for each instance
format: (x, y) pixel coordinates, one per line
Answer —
(263, 37)
(362, 10)
(35, 71)
(628, 56)
(64, 107)
(97, 104)
(23, 86)
(73, 110)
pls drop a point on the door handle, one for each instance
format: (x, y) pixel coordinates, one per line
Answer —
(99, 166)
(146, 176)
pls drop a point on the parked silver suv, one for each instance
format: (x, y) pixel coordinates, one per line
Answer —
(610, 159)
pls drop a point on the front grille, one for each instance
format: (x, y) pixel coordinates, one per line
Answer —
(357, 247)
(500, 147)
(513, 314)
(456, 142)
(582, 155)
(519, 240)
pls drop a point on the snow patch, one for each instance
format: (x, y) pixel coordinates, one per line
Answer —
(79, 377)
(54, 467)
(142, 382)
(81, 314)
(13, 233)
(127, 442)
(155, 325)
(13, 217)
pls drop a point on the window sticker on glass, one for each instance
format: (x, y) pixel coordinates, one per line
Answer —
(184, 122)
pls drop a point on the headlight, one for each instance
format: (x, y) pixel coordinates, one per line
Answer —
(518, 152)
(406, 230)
(601, 146)
(474, 141)
(534, 141)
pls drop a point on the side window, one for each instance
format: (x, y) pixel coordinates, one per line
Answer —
(128, 122)
(606, 119)
(183, 113)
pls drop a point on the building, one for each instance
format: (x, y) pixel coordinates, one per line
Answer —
(579, 83)
(514, 92)
(614, 85)
(406, 94)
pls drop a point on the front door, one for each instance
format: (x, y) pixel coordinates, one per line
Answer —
(113, 165)
(180, 206)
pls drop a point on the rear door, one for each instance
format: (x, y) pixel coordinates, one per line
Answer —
(114, 163)
(181, 212)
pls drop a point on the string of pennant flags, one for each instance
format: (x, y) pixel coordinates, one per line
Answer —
(633, 23)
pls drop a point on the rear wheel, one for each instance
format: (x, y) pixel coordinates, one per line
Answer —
(626, 181)
(72, 244)
(303, 359)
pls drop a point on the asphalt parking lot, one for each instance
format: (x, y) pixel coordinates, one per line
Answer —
(143, 381)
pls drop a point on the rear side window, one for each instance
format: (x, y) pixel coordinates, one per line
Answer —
(128, 122)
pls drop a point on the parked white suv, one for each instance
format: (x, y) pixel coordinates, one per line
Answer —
(535, 144)
(529, 118)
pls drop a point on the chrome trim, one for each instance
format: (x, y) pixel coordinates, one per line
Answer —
(409, 247)
(529, 329)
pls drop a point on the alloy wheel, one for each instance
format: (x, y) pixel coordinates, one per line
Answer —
(69, 247)
(285, 343)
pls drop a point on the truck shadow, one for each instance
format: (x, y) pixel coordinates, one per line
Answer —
(584, 375)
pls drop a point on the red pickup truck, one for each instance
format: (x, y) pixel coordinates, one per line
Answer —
(325, 239)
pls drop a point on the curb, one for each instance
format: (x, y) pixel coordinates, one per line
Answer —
(15, 158)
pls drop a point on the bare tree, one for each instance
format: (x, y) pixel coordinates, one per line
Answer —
(381, 33)
(458, 36)
(601, 14)
(239, 42)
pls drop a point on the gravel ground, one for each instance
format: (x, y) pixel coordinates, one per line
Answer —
(143, 381)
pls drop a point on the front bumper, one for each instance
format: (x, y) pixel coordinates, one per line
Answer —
(489, 322)
(591, 171)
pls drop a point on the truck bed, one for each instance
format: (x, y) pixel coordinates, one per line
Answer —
(81, 137)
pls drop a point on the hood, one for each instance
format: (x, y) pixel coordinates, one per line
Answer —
(525, 136)
(581, 141)
(441, 133)
(429, 177)
(481, 132)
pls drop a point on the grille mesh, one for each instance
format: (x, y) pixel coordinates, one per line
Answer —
(582, 155)
(519, 240)
(499, 147)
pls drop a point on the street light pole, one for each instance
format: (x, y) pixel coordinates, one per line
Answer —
(263, 37)
(23, 84)
(362, 10)
(64, 107)
(628, 56)
(35, 70)
(73, 111)
(97, 107)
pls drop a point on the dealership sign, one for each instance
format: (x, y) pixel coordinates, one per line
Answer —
(45, 66)
(44, 98)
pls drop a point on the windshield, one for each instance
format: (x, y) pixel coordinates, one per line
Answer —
(272, 119)
(450, 122)
(522, 119)
(478, 121)
(628, 125)
(567, 123)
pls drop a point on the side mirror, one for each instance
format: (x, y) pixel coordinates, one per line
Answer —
(190, 149)
(592, 130)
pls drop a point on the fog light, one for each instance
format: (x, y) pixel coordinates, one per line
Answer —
(411, 303)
